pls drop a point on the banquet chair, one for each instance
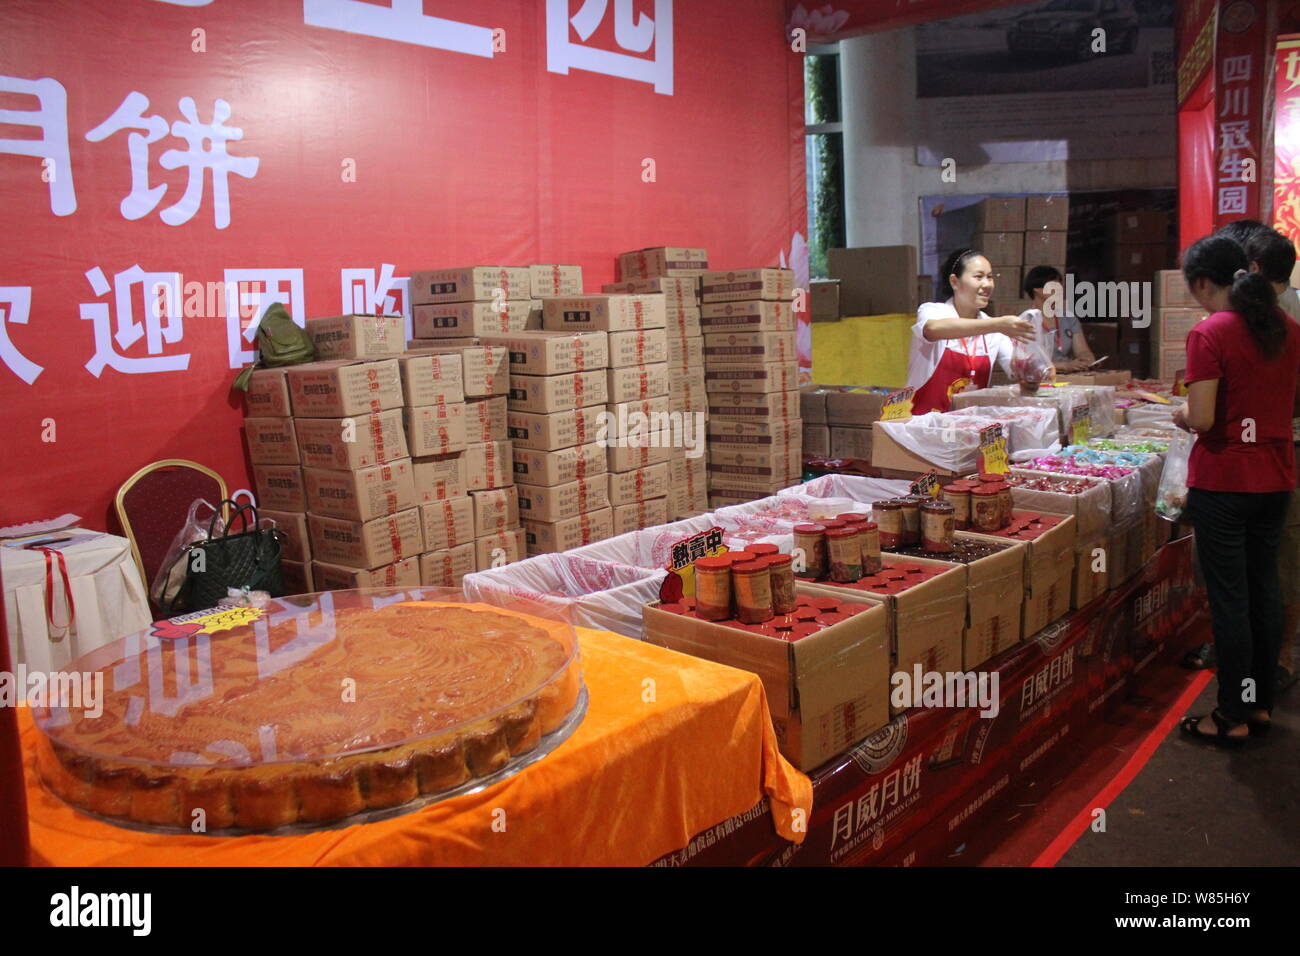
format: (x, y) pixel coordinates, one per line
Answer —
(152, 505)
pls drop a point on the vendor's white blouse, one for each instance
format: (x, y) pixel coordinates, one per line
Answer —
(924, 356)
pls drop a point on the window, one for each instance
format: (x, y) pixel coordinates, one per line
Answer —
(824, 148)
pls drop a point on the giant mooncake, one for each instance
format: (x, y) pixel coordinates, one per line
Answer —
(310, 715)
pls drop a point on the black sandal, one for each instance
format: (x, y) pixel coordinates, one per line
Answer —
(1200, 659)
(1260, 728)
(1190, 726)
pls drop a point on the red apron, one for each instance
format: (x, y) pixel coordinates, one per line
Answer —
(956, 373)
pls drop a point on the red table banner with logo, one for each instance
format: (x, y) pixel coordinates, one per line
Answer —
(172, 167)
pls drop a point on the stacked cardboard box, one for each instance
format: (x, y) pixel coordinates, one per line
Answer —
(849, 418)
(751, 376)
(277, 472)
(466, 302)
(359, 497)
(1139, 244)
(1176, 313)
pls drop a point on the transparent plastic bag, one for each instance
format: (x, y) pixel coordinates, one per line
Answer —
(1171, 494)
(171, 573)
(1030, 366)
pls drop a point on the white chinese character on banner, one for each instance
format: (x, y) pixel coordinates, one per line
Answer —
(632, 32)
(130, 115)
(1235, 135)
(142, 200)
(52, 146)
(404, 21)
(1292, 70)
(1231, 169)
(842, 825)
(911, 775)
(16, 307)
(1236, 69)
(161, 300)
(364, 294)
(1232, 201)
(1236, 102)
(245, 305)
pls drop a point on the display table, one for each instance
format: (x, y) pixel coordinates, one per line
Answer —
(106, 590)
(670, 746)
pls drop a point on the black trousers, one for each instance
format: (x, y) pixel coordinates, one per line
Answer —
(1237, 537)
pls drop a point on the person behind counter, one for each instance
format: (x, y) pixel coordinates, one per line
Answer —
(954, 342)
(1243, 362)
(1059, 336)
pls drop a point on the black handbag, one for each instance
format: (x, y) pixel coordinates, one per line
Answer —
(249, 560)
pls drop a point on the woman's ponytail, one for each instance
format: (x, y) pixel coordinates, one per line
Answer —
(1251, 296)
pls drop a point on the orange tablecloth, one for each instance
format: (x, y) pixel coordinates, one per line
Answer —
(651, 765)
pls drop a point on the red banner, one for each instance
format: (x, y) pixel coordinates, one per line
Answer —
(824, 22)
(1286, 150)
(1240, 62)
(172, 167)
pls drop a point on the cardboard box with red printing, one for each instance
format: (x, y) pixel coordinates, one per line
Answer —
(295, 544)
(739, 285)
(650, 449)
(488, 465)
(431, 378)
(555, 280)
(633, 421)
(1044, 248)
(470, 284)
(769, 377)
(747, 406)
(344, 387)
(826, 691)
(456, 320)
(366, 544)
(268, 394)
(350, 443)
(685, 351)
(485, 369)
(638, 347)
(447, 523)
(1172, 291)
(272, 441)
(817, 441)
(684, 320)
(444, 569)
(772, 472)
(356, 336)
(747, 316)
(779, 432)
(662, 261)
(296, 577)
(676, 290)
(640, 515)
(1173, 325)
(495, 510)
(438, 477)
(549, 537)
(749, 348)
(552, 353)
(361, 494)
(547, 468)
(537, 503)
(776, 460)
(545, 394)
(435, 429)
(547, 432)
(280, 487)
(335, 577)
(485, 419)
(604, 313)
(636, 382)
(639, 484)
(501, 547)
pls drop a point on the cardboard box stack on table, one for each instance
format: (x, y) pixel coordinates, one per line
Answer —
(1176, 313)
(675, 276)
(357, 497)
(751, 377)
(486, 504)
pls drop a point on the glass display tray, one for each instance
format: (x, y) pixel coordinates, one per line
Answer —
(318, 710)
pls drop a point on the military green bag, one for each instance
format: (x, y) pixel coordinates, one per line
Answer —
(279, 342)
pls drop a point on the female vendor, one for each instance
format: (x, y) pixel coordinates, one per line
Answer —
(954, 342)
(1059, 336)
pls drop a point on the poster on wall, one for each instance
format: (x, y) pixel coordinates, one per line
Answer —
(1025, 83)
(171, 168)
(1286, 153)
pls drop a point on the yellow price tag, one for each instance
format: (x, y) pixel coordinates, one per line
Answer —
(993, 451)
(1080, 425)
(898, 405)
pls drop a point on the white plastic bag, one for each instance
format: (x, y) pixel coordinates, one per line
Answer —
(1171, 496)
(171, 573)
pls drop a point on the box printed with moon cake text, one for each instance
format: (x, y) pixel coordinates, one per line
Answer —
(366, 544)
(347, 443)
(637, 347)
(268, 394)
(555, 280)
(741, 285)
(676, 290)
(484, 369)
(363, 493)
(751, 315)
(749, 348)
(454, 320)
(447, 523)
(640, 515)
(498, 548)
(583, 495)
(272, 441)
(665, 261)
(549, 537)
(343, 387)
(485, 419)
(546, 468)
(685, 351)
(280, 487)
(639, 484)
(767, 377)
(470, 284)
(356, 336)
(495, 509)
(547, 432)
(435, 429)
(431, 378)
(748, 406)
(488, 464)
(295, 545)
(650, 449)
(604, 313)
(333, 577)
(445, 568)
(557, 393)
(552, 353)
(438, 477)
(636, 382)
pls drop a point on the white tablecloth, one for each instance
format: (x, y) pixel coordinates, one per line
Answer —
(106, 589)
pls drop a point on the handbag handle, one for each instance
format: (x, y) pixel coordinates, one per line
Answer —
(237, 510)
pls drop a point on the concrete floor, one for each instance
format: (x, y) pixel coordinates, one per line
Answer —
(1198, 805)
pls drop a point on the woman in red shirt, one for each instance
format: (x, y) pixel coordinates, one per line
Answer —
(1242, 367)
